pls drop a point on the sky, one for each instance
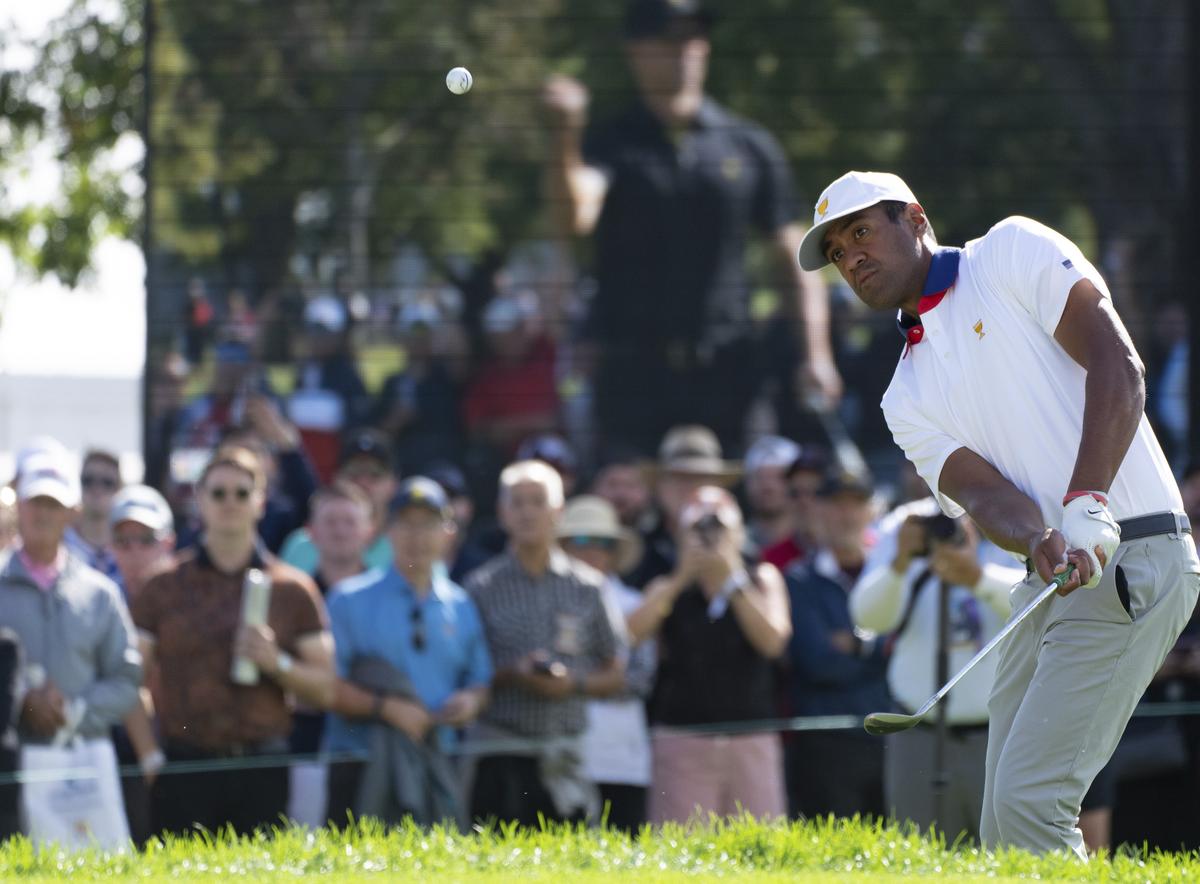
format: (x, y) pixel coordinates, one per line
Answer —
(96, 330)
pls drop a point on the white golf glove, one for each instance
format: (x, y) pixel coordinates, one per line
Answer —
(1087, 524)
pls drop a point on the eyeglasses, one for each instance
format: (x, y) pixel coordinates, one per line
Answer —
(104, 483)
(586, 542)
(416, 621)
(142, 540)
(220, 494)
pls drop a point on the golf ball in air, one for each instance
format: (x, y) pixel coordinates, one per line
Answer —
(459, 80)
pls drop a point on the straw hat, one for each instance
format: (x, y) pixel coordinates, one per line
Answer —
(694, 450)
(592, 516)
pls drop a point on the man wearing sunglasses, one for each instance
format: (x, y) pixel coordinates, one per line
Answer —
(190, 621)
(421, 624)
(89, 538)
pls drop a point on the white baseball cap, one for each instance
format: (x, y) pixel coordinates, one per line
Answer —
(851, 193)
(50, 474)
(326, 313)
(143, 505)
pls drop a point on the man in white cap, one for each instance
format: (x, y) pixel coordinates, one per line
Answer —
(143, 535)
(767, 463)
(83, 669)
(1019, 397)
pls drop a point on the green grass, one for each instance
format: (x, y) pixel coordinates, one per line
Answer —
(826, 850)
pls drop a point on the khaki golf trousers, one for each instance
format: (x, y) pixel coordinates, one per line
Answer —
(1067, 682)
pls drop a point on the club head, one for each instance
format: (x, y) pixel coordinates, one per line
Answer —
(881, 723)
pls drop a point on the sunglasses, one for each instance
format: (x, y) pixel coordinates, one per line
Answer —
(219, 494)
(143, 540)
(105, 483)
(416, 621)
(604, 543)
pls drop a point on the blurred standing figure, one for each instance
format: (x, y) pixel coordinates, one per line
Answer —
(771, 515)
(919, 554)
(720, 623)
(804, 478)
(552, 643)
(616, 744)
(190, 623)
(671, 189)
(90, 537)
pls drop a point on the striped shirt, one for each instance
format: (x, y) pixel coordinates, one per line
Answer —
(561, 613)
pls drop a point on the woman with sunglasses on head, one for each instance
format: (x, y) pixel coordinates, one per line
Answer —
(411, 622)
(720, 623)
(190, 623)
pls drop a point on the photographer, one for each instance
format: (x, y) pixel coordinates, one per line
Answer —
(920, 554)
(720, 624)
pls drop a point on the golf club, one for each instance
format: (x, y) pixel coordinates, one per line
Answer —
(880, 723)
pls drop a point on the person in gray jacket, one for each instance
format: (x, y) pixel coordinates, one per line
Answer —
(82, 669)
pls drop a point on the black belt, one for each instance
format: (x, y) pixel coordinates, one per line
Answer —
(1154, 524)
(176, 750)
(957, 731)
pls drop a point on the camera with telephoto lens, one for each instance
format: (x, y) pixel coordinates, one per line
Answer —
(940, 528)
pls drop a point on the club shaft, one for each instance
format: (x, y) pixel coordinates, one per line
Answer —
(1012, 624)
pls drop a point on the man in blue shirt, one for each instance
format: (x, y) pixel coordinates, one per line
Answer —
(413, 617)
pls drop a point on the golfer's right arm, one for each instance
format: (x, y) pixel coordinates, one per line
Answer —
(1007, 516)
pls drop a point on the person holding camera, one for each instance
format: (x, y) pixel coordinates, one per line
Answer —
(721, 623)
(939, 593)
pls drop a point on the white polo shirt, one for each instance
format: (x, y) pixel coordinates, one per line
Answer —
(988, 375)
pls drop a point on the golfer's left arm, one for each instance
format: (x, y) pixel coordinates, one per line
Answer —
(1115, 392)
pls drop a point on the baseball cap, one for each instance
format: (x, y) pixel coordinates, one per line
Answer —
(771, 451)
(366, 442)
(420, 491)
(38, 445)
(144, 505)
(326, 314)
(450, 477)
(843, 482)
(550, 448)
(50, 474)
(851, 193)
(418, 314)
(650, 18)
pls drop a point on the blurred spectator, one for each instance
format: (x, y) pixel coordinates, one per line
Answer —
(512, 394)
(416, 621)
(341, 525)
(366, 461)
(206, 419)
(240, 322)
(919, 554)
(689, 458)
(671, 189)
(720, 622)
(291, 478)
(464, 554)
(8, 517)
(167, 379)
(768, 462)
(553, 647)
(190, 622)
(90, 536)
(419, 406)
(804, 478)
(553, 449)
(82, 667)
(836, 669)
(616, 743)
(198, 321)
(329, 395)
(143, 542)
(621, 480)
(1167, 380)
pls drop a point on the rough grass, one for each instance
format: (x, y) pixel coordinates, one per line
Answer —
(822, 850)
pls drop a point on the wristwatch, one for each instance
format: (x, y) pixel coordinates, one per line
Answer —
(284, 663)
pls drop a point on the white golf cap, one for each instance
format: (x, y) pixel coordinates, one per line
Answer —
(771, 451)
(143, 505)
(326, 313)
(50, 474)
(851, 193)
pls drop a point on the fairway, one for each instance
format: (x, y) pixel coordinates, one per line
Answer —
(744, 850)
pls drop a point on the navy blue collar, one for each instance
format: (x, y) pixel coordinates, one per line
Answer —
(943, 272)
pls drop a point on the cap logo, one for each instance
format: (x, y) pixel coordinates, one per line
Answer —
(823, 207)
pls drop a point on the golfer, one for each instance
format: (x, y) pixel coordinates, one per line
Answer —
(1019, 397)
